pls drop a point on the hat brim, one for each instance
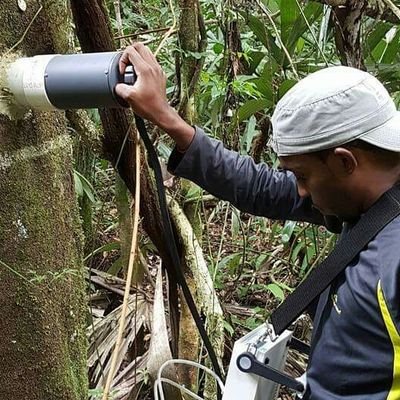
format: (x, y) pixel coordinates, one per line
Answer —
(386, 136)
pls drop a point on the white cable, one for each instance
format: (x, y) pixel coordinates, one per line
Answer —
(178, 386)
(160, 380)
(192, 364)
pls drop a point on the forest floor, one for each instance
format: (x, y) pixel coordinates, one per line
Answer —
(248, 264)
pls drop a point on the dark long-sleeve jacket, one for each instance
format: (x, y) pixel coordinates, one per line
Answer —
(356, 340)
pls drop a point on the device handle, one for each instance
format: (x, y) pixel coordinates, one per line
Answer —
(247, 362)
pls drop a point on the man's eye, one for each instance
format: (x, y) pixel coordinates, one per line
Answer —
(301, 178)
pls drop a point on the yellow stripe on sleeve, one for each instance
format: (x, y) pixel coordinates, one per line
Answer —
(394, 393)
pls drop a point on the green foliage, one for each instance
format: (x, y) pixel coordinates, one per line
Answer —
(52, 276)
(97, 394)
(14, 271)
(83, 187)
(104, 248)
(254, 262)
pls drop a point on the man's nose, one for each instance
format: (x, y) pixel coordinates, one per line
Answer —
(302, 190)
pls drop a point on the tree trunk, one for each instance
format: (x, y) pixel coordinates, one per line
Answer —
(348, 32)
(233, 67)
(86, 143)
(94, 33)
(189, 68)
(43, 346)
(192, 39)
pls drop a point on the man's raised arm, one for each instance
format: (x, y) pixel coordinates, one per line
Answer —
(251, 187)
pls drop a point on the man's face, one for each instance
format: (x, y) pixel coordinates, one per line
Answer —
(324, 181)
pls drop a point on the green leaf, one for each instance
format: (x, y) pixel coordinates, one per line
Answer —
(259, 29)
(83, 186)
(248, 136)
(377, 34)
(251, 107)
(270, 69)
(231, 262)
(78, 184)
(115, 267)
(300, 45)
(392, 49)
(104, 164)
(255, 57)
(252, 323)
(264, 87)
(379, 50)
(218, 48)
(308, 259)
(285, 86)
(276, 291)
(296, 251)
(312, 11)
(261, 259)
(107, 247)
(88, 190)
(228, 327)
(194, 192)
(262, 33)
(196, 55)
(289, 14)
(235, 223)
(287, 231)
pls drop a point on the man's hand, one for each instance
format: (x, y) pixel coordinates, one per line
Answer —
(147, 96)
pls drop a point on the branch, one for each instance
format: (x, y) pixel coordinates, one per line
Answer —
(390, 12)
(206, 297)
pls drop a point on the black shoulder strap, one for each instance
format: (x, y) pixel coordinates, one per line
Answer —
(373, 221)
(172, 246)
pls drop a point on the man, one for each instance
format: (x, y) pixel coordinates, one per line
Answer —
(337, 135)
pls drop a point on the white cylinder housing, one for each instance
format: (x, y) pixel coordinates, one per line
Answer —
(26, 79)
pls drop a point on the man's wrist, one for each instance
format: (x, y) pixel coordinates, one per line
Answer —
(179, 130)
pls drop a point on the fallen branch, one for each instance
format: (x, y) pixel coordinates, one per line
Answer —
(204, 292)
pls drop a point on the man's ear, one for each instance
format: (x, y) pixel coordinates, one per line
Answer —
(346, 160)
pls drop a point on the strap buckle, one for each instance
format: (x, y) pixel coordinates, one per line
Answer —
(268, 335)
(271, 333)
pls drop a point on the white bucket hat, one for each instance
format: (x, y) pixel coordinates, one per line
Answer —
(334, 106)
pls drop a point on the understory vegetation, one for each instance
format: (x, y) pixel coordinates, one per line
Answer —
(228, 62)
(255, 51)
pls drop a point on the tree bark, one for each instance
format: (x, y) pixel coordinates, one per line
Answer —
(192, 39)
(377, 9)
(348, 20)
(86, 142)
(43, 346)
(189, 70)
(234, 67)
(94, 33)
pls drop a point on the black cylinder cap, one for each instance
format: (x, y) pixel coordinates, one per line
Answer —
(85, 81)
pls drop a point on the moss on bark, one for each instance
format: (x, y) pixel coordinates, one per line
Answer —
(43, 321)
(43, 346)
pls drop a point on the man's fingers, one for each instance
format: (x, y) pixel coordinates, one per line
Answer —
(124, 61)
(141, 57)
(124, 91)
(130, 56)
(146, 53)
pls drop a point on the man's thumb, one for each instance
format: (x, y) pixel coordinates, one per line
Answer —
(123, 90)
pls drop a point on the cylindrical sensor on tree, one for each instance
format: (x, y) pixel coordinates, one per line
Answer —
(50, 82)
